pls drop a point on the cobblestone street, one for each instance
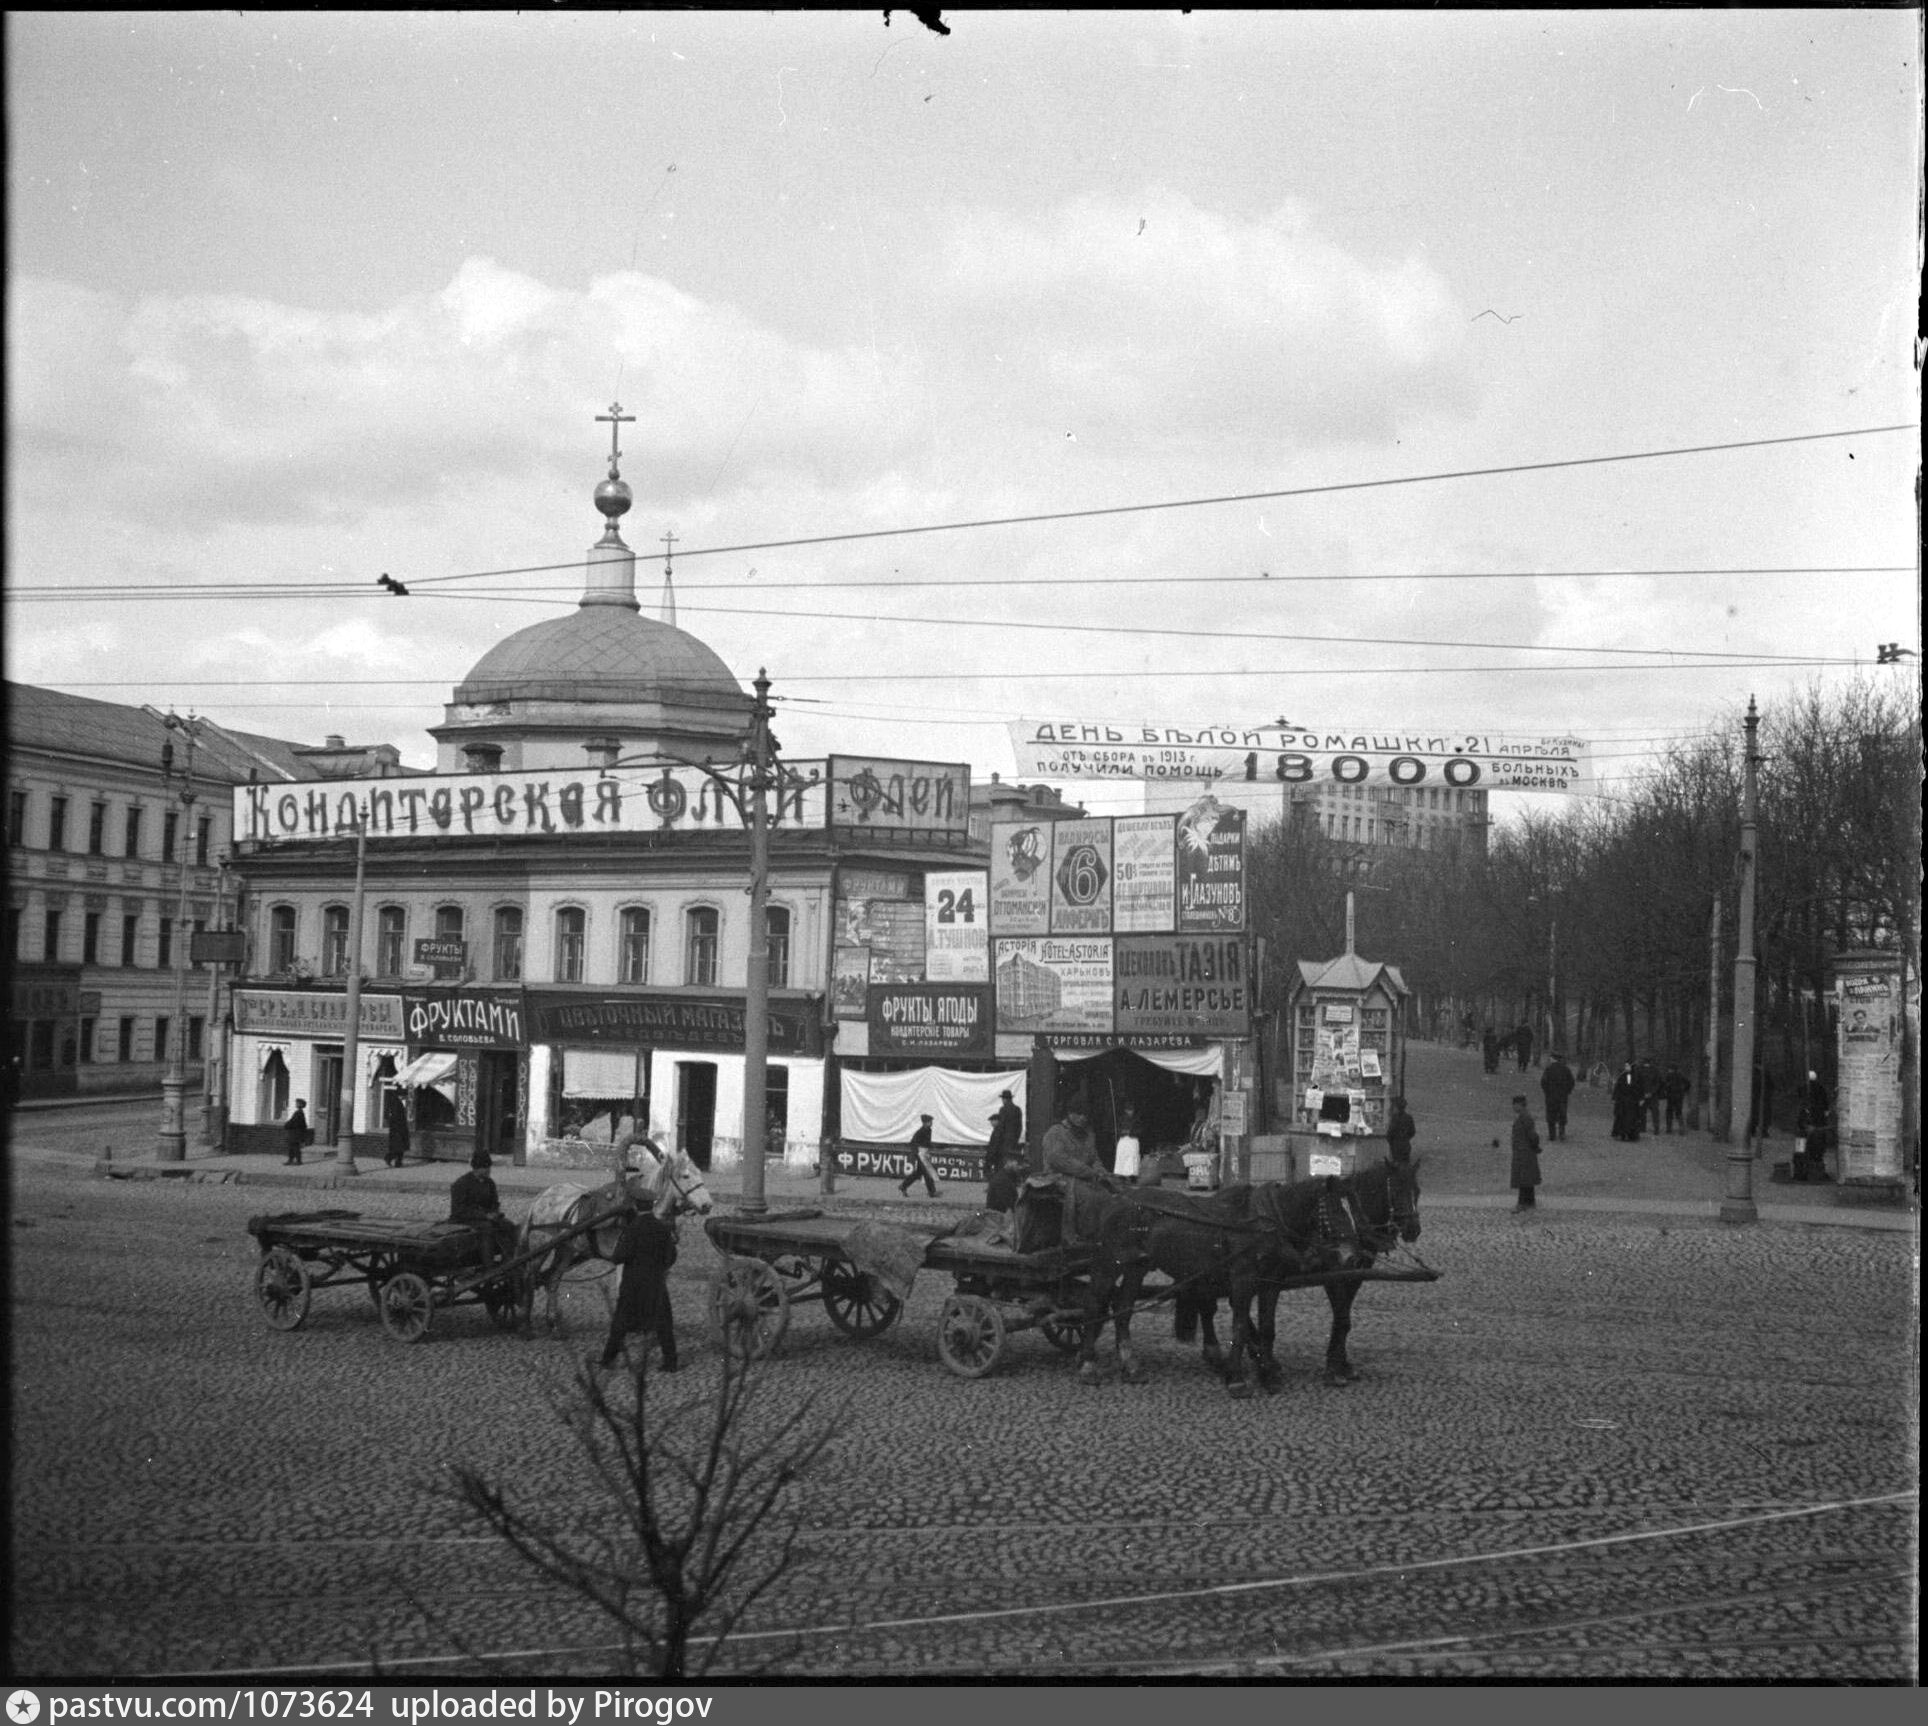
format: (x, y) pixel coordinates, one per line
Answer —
(1602, 1445)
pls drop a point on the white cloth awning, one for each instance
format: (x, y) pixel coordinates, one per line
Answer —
(879, 1108)
(1205, 1063)
(436, 1068)
(606, 1073)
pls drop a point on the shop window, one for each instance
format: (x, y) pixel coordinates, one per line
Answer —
(334, 940)
(570, 921)
(391, 940)
(281, 938)
(776, 920)
(508, 944)
(634, 967)
(699, 947)
(271, 1094)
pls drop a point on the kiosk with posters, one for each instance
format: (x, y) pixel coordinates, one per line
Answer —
(1347, 1060)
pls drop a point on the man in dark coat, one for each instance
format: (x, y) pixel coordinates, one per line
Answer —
(294, 1131)
(1523, 1045)
(473, 1200)
(1489, 1048)
(921, 1167)
(1647, 1071)
(1626, 1105)
(1525, 1172)
(1007, 1135)
(1400, 1131)
(646, 1249)
(396, 1115)
(1556, 1085)
(1674, 1086)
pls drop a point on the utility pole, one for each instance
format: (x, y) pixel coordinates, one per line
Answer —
(1710, 1089)
(351, 1036)
(756, 979)
(1738, 1206)
(173, 1140)
(1555, 1030)
(214, 1051)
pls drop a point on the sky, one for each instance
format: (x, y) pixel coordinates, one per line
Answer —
(299, 299)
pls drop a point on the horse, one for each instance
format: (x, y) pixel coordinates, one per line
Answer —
(1386, 1199)
(1233, 1243)
(670, 1185)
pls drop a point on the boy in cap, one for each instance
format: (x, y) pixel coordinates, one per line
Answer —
(920, 1152)
(473, 1200)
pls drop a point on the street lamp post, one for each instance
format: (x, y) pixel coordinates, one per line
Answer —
(172, 1147)
(756, 979)
(351, 1034)
(1738, 1206)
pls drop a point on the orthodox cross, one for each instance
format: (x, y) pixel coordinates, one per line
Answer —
(616, 419)
(669, 543)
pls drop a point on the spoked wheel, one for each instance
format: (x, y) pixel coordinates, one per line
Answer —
(281, 1286)
(406, 1307)
(970, 1335)
(510, 1300)
(1063, 1334)
(858, 1304)
(379, 1271)
(749, 1310)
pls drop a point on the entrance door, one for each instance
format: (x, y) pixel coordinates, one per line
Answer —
(326, 1118)
(495, 1112)
(696, 1109)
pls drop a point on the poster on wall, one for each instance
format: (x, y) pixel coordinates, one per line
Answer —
(1020, 878)
(1182, 983)
(1144, 886)
(849, 980)
(1868, 1095)
(1053, 984)
(1211, 867)
(929, 1019)
(1081, 877)
(877, 911)
(957, 946)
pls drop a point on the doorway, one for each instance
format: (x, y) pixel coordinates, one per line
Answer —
(696, 1109)
(327, 1098)
(495, 1105)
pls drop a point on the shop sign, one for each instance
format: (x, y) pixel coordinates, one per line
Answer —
(217, 947)
(900, 1165)
(1144, 886)
(1211, 867)
(1182, 983)
(1310, 755)
(1021, 877)
(1081, 877)
(957, 947)
(463, 1019)
(1054, 984)
(668, 1021)
(429, 951)
(929, 1019)
(317, 1015)
(928, 799)
(46, 997)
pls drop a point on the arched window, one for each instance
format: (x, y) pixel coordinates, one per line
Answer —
(633, 960)
(570, 921)
(391, 940)
(334, 940)
(699, 946)
(281, 938)
(508, 944)
(448, 922)
(272, 1093)
(777, 921)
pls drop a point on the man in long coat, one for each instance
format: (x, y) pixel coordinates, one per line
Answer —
(1007, 1135)
(1556, 1085)
(1525, 1173)
(1626, 1105)
(645, 1250)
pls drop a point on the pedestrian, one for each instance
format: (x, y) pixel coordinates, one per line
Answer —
(1523, 1045)
(1649, 1075)
(1400, 1131)
(1489, 1048)
(474, 1200)
(1626, 1105)
(1674, 1086)
(645, 1249)
(920, 1160)
(1525, 1173)
(395, 1112)
(1124, 1160)
(1811, 1160)
(1007, 1135)
(294, 1130)
(1556, 1085)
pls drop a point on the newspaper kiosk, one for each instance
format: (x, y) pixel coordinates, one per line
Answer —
(1348, 1060)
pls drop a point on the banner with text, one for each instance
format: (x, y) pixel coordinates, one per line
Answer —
(315, 1014)
(1313, 755)
(921, 799)
(929, 1019)
(660, 1020)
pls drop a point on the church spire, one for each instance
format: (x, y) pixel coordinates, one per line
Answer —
(668, 613)
(611, 571)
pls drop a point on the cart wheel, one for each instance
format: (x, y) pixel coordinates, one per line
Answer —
(749, 1310)
(510, 1300)
(1063, 1334)
(970, 1335)
(379, 1271)
(406, 1307)
(858, 1304)
(281, 1286)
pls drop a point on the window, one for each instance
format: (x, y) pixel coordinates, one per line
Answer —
(508, 944)
(170, 831)
(87, 1042)
(634, 963)
(130, 936)
(196, 1029)
(42, 1058)
(133, 845)
(448, 922)
(569, 930)
(165, 958)
(200, 928)
(50, 938)
(161, 1028)
(97, 831)
(13, 932)
(482, 757)
(281, 938)
(699, 947)
(124, 1049)
(16, 817)
(391, 940)
(777, 921)
(334, 940)
(57, 825)
(203, 834)
(90, 939)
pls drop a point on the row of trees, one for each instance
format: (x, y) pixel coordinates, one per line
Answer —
(1596, 918)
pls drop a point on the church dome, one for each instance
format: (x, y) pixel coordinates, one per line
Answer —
(602, 653)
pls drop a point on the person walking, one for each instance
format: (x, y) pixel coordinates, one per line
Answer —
(1525, 1172)
(1674, 1086)
(1007, 1135)
(1400, 1131)
(920, 1160)
(395, 1112)
(645, 1249)
(1556, 1085)
(1523, 1046)
(1648, 1073)
(294, 1131)
(1626, 1105)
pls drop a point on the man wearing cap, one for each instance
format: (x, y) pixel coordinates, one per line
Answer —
(1070, 1150)
(473, 1200)
(1007, 1135)
(920, 1153)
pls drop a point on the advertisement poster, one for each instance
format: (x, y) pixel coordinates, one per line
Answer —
(1211, 867)
(850, 981)
(1182, 983)
(1020, 878)
(1144, 886)
(1868, 1093)
(957, 945)
(876, 912)
(1081, 878)
(931, 799)
(1054, 984)
(929, 1019)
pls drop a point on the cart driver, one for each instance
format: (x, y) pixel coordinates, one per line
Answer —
(1070, 1150)
(473, 1200)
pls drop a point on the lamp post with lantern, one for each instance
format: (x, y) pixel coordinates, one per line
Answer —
(172, 1147)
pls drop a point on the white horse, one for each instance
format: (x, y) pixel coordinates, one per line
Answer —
(666, 1181)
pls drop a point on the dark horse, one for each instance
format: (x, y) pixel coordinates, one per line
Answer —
(1232, 1243)
(1386, 1198)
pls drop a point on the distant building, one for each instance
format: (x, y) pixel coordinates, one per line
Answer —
(995, 801)
(1425, 818)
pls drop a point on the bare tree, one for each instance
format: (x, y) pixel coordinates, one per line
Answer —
(685, 1523)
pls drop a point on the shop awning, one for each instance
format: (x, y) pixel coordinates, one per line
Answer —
(436, 1068)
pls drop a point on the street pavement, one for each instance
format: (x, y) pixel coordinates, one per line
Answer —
(1615, 1440)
